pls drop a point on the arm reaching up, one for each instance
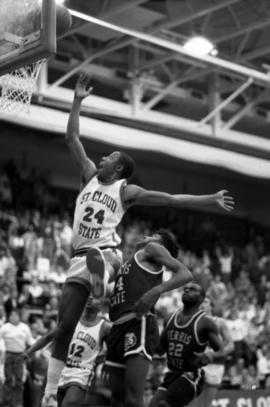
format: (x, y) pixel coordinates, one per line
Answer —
(86, 166)
(135, 195)
(181, 276)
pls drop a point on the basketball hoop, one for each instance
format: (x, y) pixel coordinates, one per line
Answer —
(28, 31)
(18, 87)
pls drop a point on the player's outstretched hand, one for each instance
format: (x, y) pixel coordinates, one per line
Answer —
(224, 200)
(146, 302)
(83, 86)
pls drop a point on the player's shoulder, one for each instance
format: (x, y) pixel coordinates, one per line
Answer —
(130, 193)
(207, 320)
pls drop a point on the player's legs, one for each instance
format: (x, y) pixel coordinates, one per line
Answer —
(180, 392)
(135, 377)
(74, 397)
(73, 299)
(117, 386)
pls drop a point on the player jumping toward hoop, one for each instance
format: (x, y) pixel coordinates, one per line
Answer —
(100, 206)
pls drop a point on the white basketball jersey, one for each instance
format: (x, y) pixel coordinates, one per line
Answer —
(98, 212)
(83, 350)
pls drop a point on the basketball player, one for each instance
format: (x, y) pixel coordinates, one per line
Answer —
(134, 334)
(184, 339)
(100, 206)
(214, 371)
(86, 344)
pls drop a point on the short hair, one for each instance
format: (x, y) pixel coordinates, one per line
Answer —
(202, 290)
(128, 165)
(169, 241)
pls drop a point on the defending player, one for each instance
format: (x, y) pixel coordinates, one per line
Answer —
(84, 348)
(214, 371)
(134, 335)
(184, 340)
(100, 206)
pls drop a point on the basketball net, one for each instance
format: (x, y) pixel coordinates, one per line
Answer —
(18, 87)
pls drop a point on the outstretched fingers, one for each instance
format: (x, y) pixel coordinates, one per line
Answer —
(85, 81)
(229, 202)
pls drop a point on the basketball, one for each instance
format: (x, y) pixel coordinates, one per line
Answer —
(63, 20)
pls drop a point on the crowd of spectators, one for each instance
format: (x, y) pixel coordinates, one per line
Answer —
(35, 251)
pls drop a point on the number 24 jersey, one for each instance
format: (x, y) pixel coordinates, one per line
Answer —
(98, 212)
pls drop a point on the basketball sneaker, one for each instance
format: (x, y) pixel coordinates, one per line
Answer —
(96, 265)
(49, 401)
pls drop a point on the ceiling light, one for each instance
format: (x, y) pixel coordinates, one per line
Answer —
(200, 46)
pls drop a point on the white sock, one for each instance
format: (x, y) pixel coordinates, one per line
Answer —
(55, 368)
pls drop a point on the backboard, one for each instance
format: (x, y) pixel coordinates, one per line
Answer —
(27, 32)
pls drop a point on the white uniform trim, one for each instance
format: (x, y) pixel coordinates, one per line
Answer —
(141, 348)
(145, 268)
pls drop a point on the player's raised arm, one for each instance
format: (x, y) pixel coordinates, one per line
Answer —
(135, 195)
(86, 166)
(180, 277)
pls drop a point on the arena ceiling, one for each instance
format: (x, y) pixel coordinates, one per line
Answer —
(222, 102)
(152, 78)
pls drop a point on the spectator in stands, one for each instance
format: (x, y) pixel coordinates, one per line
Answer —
(31, 246)
(7, 262)
(262, 287)
(263, 363)
(238, 330)
(235, 374)
(66, 236)
(16, 336)
(5, 190)
(25, 298)
(250, 379)
(36, 291)
(242, 283)
(225, 257)
(2, 315)
(12, 302)
(217, 291)
(248, 307)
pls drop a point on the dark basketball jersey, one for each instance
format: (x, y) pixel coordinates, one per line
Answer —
(132, 281)
(182, 341)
